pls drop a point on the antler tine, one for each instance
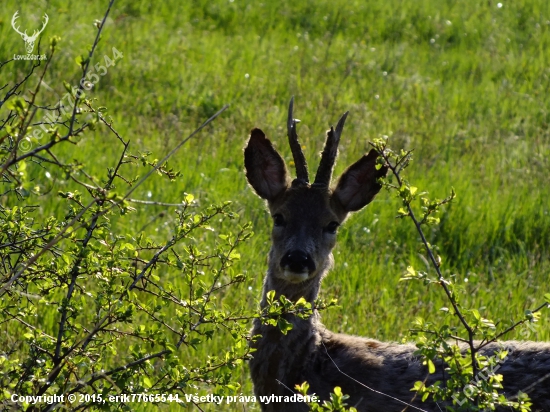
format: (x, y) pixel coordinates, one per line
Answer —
(328, 157)
(297, 154)
(37, 32)
(46, 20)
(13, 22)
(340, 126)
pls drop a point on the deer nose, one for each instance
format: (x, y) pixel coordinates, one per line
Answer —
(297, 261)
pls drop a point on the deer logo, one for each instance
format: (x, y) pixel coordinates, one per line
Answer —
(29, 40)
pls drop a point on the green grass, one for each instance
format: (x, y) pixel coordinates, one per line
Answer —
(463, 83)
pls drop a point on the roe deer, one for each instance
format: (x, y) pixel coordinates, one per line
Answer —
(378, 376)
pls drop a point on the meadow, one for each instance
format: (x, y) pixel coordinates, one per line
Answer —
(464, 84)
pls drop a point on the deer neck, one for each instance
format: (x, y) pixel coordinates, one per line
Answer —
(280, 359)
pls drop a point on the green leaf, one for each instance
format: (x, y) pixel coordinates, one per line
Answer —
(301, 302)
(402, 212)
(431, 366)
(66, 259)
(418, 385)
(284, 325)
(147, 382)
(270, 297)
(67, 86)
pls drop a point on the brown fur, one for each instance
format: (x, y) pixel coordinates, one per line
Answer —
(378, 376)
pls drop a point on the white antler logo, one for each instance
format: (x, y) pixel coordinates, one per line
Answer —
(29, 40)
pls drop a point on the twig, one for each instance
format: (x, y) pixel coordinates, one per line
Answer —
(512, 327)
(368, 387)
(435, 264)
(155, 203)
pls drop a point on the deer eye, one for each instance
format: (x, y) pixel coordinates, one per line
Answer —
(278, 220)
(331, 227)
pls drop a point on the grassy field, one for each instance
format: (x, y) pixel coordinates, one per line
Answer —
(465, 84)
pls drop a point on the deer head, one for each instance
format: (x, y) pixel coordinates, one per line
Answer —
(306, 216)
(29, 40)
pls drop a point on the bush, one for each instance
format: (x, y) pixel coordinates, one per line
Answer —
(89, 307)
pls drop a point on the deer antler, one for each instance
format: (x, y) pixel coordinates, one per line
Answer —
(37, 32)
(25, 36)
(299, 158)
(13, 19)
(328, 158)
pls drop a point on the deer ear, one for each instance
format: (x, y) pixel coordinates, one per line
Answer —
(357, 186)
(265, 168)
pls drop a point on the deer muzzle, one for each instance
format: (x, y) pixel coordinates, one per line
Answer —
(297, 265)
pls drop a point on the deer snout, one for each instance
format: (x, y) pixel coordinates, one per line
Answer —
(297, 261)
